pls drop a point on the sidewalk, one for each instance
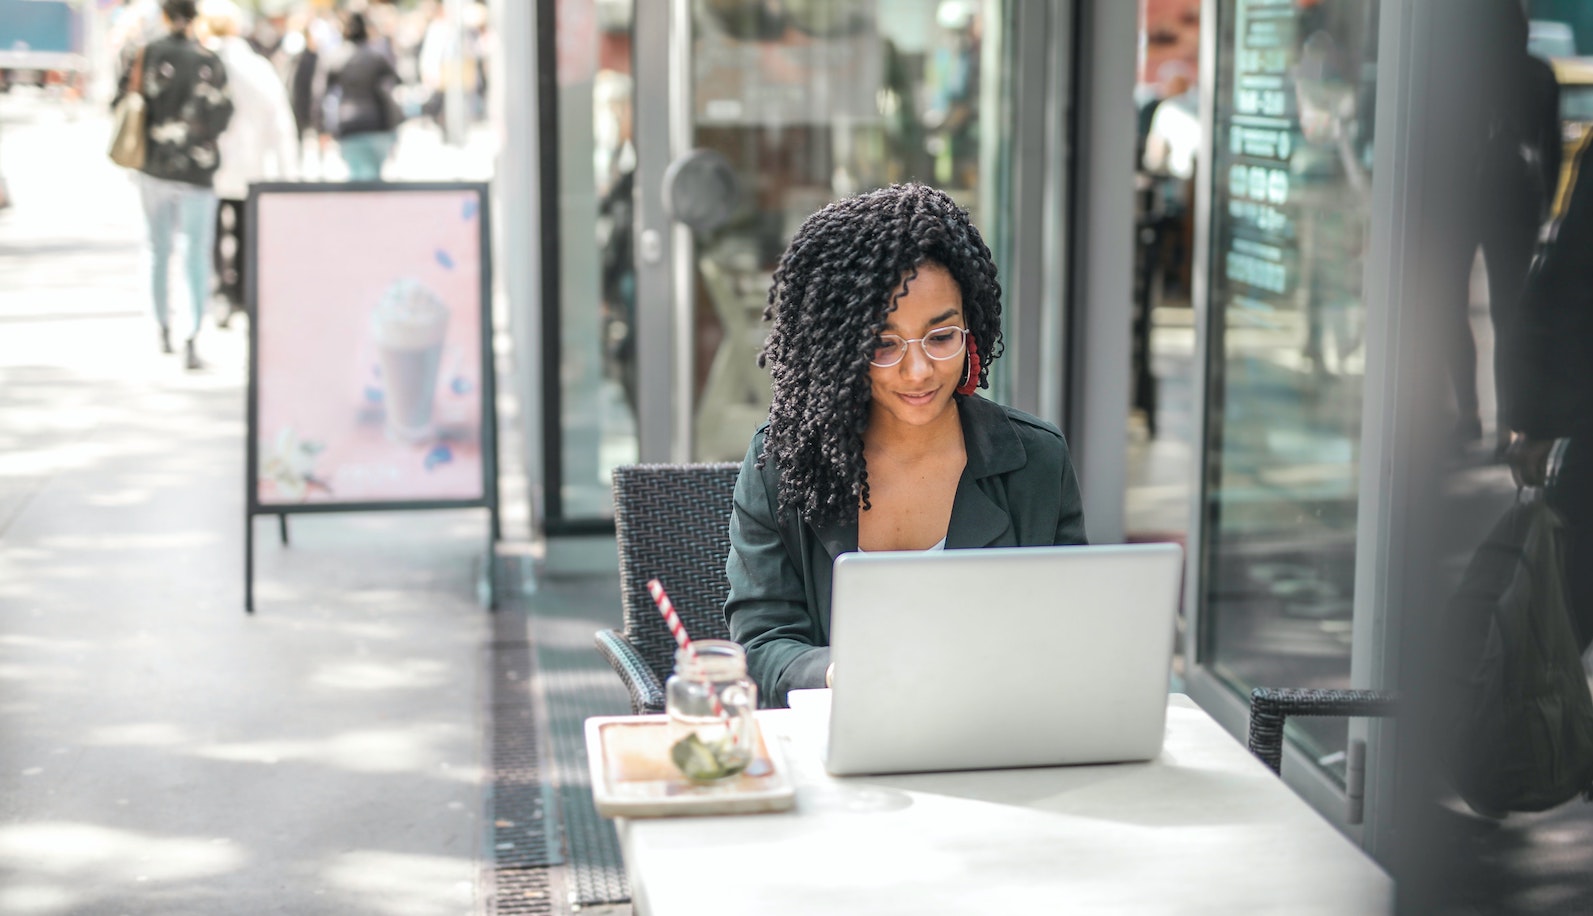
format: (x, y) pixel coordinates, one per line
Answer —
(161, 751)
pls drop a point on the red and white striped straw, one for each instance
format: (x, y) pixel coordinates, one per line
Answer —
(678, 630)
(667, 608)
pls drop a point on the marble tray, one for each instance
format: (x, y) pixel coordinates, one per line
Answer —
(632, 775)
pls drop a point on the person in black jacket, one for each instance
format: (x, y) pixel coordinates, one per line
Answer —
(358, 109)
(1550, 401)
(301, 85)
(187, 108)
(1514, 139)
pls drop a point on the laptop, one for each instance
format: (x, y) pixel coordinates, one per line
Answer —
(1000, 657)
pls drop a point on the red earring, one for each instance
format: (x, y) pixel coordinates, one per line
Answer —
(970, 371)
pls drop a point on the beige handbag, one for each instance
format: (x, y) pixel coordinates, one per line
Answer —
(128, 139)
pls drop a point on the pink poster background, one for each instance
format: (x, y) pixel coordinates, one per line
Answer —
(325, 260)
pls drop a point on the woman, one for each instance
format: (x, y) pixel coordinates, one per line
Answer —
(358, 106)
(185, 90)
(259, 144)
(887, 315)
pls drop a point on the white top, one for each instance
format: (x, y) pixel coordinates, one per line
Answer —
(1204, 828)
(259, 141)
(938, 545)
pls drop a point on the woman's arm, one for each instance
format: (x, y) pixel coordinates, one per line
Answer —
(767, 609)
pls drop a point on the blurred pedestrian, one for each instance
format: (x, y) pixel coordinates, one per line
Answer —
(131, 26)
(358, 108)
(185, 88)
(1550, 401)
(435, 63)
(1518, 174)
(258, 145)
(1520, 735)
(1511, 146)
(303, 63)
(452, 68)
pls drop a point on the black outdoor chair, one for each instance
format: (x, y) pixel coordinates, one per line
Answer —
(672, 522)
(1271, 706)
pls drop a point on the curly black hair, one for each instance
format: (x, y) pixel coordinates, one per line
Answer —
(832, 291)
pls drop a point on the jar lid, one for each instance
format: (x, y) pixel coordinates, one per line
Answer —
(712, 660)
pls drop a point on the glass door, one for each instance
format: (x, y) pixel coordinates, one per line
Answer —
(683, 142)
(587, 236)
(750, 117)
(1291, 182)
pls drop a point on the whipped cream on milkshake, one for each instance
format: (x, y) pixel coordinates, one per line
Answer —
(410, 324)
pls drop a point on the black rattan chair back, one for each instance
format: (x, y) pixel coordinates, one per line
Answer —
(672, 522)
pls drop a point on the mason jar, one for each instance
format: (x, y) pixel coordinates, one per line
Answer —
(710, 702)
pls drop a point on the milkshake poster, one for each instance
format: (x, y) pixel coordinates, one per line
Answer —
(369, 347)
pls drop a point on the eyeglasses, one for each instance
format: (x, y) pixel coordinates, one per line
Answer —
(939, 344)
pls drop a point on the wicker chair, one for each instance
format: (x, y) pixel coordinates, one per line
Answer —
(672, 522)
(1271, 706)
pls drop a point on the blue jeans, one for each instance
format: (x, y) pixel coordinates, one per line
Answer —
(365, 153)
(172, 208)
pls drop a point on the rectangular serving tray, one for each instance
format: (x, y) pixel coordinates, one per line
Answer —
(633, 776)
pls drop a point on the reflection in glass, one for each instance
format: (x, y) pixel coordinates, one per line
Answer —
(1499, 222)
(1161, 430)
(810, 101)
(1291, 185)
(597, 281)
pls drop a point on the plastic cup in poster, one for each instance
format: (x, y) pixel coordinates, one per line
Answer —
(371, 371)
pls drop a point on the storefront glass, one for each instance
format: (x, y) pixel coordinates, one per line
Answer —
(1291, 188)
(1162, 434)
(595, 428)
(807, 101)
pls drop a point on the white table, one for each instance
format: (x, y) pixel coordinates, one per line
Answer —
(1204, 828)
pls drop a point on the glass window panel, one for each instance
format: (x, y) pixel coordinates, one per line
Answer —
(1290, 204)
(1161, 429)
(811, 101)
(596, 155)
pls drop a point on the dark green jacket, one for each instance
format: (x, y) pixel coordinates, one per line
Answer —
(1017, 490)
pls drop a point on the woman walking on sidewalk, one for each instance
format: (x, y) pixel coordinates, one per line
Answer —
(260, 144)
(358, 108)
(187, 107)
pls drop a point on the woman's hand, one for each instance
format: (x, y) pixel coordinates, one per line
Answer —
(1529, 459)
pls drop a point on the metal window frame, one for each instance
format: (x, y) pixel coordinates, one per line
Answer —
(1401, 438)
(1058, 192)
(548, 365)
(656, 60)
(1094, 380)
(516, 199)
